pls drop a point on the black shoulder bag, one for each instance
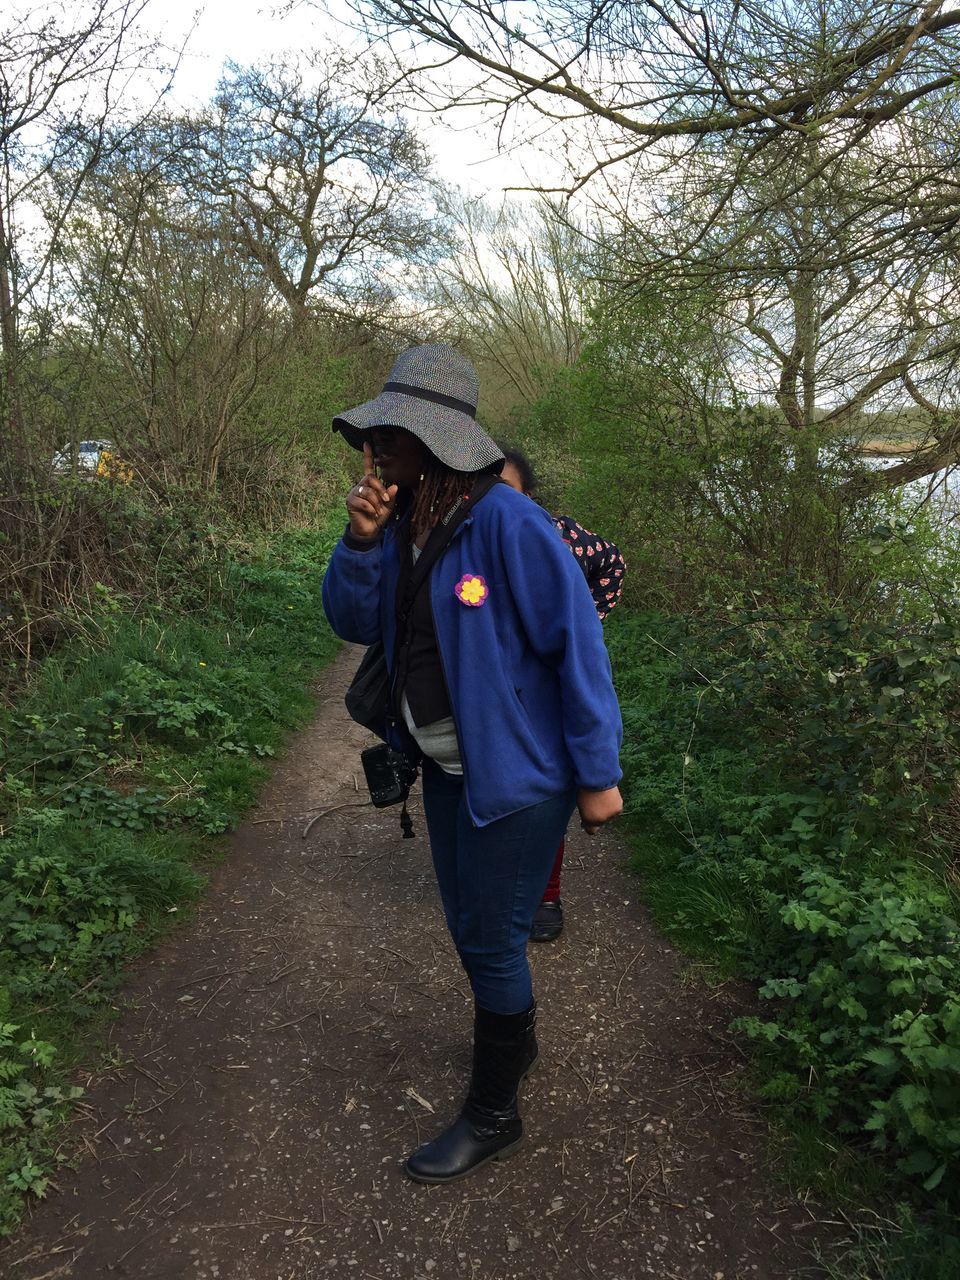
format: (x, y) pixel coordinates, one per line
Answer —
(369, 691)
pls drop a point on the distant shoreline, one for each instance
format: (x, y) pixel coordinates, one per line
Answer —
(889, 448)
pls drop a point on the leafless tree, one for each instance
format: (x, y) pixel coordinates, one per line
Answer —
(65, 72)
(663, 106)
(662, 77)
(322, 184)
(172, 324)
(63, 75)
(838, 335)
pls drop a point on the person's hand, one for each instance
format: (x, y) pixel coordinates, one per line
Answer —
(598, 807)
(370, 503)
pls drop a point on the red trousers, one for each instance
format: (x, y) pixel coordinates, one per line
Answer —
(552, 891)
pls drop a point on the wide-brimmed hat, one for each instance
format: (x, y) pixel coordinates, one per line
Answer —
(432, 392)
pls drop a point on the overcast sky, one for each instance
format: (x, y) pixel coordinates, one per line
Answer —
(249, 31)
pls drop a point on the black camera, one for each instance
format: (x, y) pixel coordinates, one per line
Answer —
(389, 774)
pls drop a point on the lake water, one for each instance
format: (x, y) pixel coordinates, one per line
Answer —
(939, 492)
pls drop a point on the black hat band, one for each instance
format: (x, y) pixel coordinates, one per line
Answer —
(436, 397)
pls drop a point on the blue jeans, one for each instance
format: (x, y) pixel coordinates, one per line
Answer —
(491, 882)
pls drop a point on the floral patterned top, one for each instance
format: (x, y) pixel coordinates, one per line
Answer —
(601, 561)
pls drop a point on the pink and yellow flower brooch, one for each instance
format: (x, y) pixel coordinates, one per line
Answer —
(472, 590)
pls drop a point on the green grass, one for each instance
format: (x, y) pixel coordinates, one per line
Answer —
(124, 763)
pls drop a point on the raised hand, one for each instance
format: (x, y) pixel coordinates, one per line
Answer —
(370, 503)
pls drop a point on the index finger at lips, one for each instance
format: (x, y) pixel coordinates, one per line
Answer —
(368, 467)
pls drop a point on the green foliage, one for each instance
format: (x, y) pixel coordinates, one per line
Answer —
(78, 547)
(26, 1111)
(120, 758)
(905, 1246)
(107, 546)
(72, 892)
(646, 439)
(812, 849)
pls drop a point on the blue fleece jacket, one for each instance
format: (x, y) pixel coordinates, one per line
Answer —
(527, 670)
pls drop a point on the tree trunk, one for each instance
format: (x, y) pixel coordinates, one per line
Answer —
(11, 417)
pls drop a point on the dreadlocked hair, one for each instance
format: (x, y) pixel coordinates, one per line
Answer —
(439, 489)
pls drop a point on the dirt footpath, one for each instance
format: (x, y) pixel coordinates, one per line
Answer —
(282, 1055)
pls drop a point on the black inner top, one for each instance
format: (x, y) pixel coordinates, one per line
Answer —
(418, 671)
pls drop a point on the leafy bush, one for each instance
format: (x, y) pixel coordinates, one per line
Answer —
(25, 1111)
(71, 894)
(811, 845)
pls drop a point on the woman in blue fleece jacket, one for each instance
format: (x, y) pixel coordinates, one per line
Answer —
(502, 688)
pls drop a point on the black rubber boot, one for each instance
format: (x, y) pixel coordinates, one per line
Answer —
(489, 1126)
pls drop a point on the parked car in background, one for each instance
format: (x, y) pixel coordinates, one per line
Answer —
(94, 458)
(87, 456)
